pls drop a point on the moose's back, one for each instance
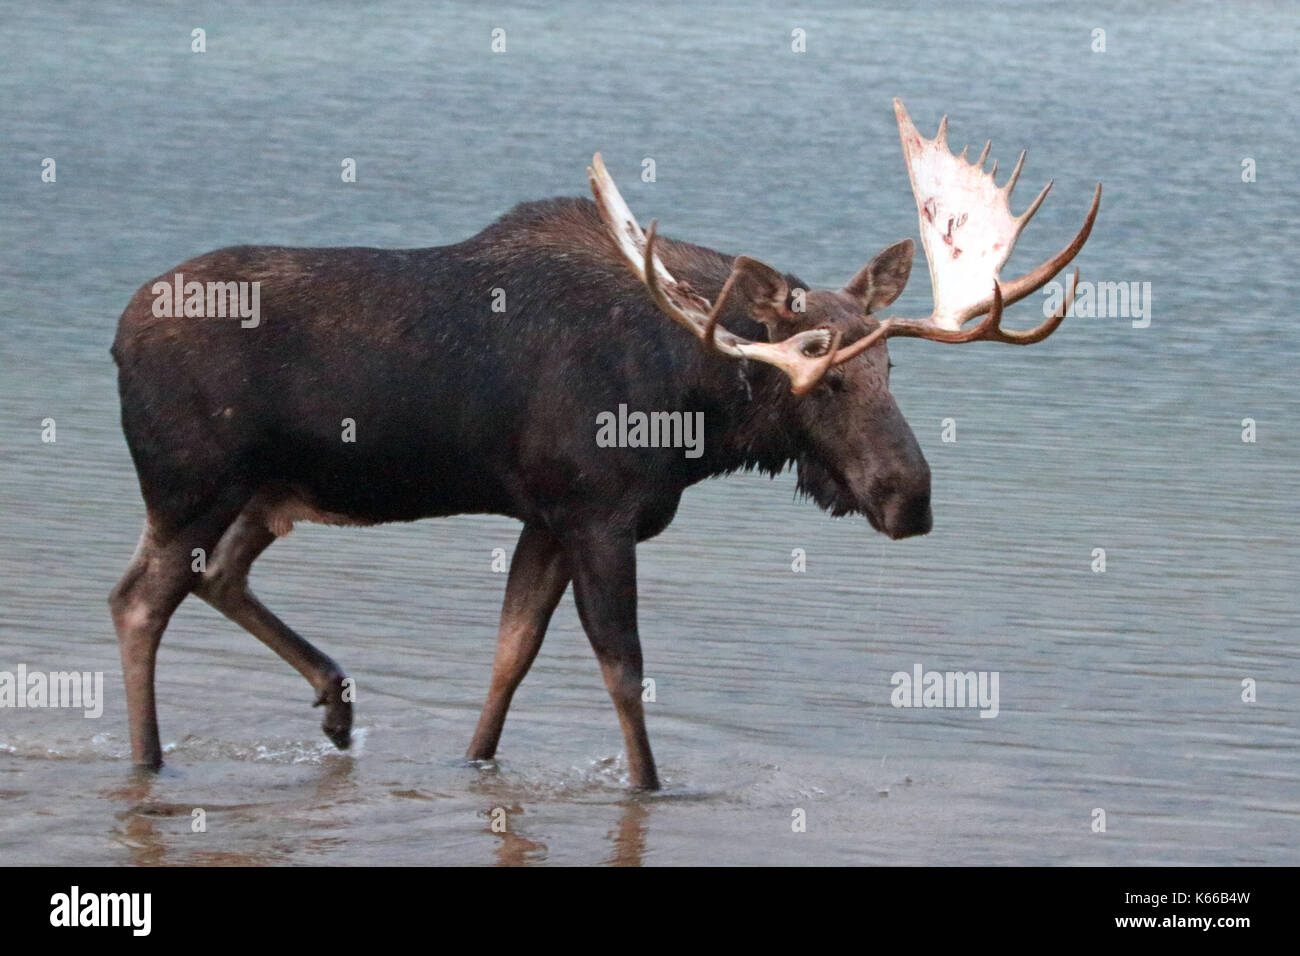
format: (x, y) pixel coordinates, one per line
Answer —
(378, 385)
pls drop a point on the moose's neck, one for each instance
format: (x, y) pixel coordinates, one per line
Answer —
(749, 424)
(750, 417)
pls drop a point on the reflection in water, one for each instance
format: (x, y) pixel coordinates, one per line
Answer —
(505, 816)
(630, 835)
(155, 830)
(509, 805)
(512, 848)
(508, 824)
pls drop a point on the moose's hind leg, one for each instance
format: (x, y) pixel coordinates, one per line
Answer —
(159, 578)
(224, 585)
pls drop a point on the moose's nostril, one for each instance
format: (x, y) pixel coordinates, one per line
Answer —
(908, 515)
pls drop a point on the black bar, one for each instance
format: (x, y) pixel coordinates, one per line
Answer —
(945, 906)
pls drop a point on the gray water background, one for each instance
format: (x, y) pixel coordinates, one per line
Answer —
(1120, 690)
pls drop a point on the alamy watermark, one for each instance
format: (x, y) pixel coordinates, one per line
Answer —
(208, 300)
(922, 688)
(133, 911)
(651, 430)
(83, 689)
(1102, 300)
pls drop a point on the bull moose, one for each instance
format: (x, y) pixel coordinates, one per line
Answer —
(235, 427)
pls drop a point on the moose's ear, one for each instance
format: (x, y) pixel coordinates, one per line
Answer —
(764, 292)
(881, 280)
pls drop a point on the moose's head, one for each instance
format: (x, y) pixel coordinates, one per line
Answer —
(859, 455)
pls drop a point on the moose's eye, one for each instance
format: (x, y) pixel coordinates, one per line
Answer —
(815, 347)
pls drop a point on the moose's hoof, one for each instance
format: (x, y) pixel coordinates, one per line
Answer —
(338, 714)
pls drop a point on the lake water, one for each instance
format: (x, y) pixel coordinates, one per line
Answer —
(1120, 691)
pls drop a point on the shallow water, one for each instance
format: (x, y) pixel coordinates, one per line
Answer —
(1119, 690)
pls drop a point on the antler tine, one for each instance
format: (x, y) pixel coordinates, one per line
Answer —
(1028, 214)
(707, 331)
(1047, 328)
(990, 329)
(1015, 174)
(711, 324)
(651, 276)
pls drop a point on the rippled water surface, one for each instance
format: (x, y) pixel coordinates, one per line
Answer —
(1119, 690)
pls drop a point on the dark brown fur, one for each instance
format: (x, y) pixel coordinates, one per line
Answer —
(236, 432)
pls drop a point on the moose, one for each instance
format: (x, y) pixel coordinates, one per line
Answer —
(235, 427)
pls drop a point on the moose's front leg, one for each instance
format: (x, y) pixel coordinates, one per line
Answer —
(603, 566)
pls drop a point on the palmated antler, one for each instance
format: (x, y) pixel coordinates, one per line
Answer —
(804, 357)
(968, 232)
